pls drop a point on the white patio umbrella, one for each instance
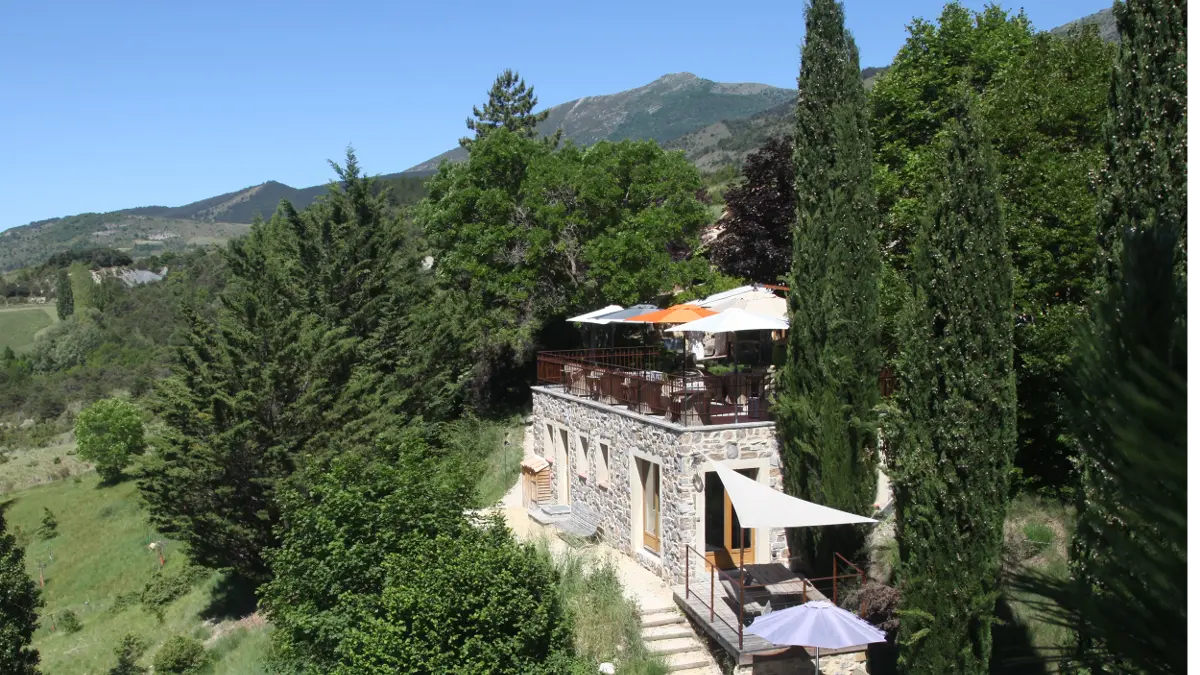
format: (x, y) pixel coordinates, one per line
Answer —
(590, 317)
(815, 624)
(732, 321)
(773, 306)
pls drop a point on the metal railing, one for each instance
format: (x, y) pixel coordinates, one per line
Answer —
(846, 575)
(631, 378)
(711, 604)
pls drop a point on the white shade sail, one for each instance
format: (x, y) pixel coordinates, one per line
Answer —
(596, 314)
(759, 505)
(731, 321)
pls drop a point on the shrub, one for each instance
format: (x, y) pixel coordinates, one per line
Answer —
(49, 528)
(129, 650)
(69, 621)
(180, 655)
(163, 589)
(123, 602)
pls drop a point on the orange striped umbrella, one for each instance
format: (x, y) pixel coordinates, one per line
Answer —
(676, 314)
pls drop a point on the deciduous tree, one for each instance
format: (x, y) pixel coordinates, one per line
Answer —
(524, 234)
(381, 571)
(109, 432)
(760, 214)
(1042, 97)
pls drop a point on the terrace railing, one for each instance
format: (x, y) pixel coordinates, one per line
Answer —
(631, 378)
(839, 588)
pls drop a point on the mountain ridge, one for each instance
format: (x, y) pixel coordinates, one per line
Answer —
(690, 102)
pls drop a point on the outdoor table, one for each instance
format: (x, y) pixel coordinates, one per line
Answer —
(785, 587)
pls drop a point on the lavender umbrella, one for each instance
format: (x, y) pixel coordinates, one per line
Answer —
(815, 624)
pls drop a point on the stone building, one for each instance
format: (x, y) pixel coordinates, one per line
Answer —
(651, 479)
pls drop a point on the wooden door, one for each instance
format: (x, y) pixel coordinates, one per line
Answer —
(651, 507)
(564, 469)
(739, 541)
(727, 543)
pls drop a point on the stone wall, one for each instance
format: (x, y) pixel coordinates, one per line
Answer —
(680, 452)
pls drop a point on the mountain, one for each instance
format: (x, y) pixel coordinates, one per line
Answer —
(1103, 20)
(729, 141)
(667, 108)
(148, 230)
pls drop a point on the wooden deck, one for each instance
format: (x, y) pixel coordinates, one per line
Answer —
(718, 617)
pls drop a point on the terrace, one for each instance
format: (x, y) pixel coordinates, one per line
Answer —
(634, 378)
(723, 602)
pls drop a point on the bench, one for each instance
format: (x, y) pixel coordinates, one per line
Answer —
(756, 601)
(582, 522)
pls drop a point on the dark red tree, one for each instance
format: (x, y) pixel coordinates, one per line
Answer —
(756, 242)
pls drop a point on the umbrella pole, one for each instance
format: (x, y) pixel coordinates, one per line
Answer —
(817, 668)
(737, 382)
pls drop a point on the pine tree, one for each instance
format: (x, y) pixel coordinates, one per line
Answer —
(19, 601)
(65, 302)
(956, 435)
(1127, 601)
(509, 106)
(829, 386)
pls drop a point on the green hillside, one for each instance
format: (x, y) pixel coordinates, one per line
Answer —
(99, 567)
(150, 230)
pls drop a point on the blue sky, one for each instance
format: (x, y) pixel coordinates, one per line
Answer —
(110, 105)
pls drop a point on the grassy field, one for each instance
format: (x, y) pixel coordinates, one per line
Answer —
(98, 561)
(1037, 534)
(20, 325)
(35, 466)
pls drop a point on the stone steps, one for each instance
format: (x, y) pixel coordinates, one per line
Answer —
(693, 660)
(667, 634)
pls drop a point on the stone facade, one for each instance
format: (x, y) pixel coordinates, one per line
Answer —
(613, 488)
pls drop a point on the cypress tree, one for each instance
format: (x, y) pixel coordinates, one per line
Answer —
(828, 388)
(1127, 602)
(956, 435)
(509, 106)
(19, 601)
(65, 302)
(286, 370)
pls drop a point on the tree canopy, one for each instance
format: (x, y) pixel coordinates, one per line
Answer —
(1042, 98)
(1127, 600)
(380, 571)
(108, 433)
(522, 234)
(270, 382)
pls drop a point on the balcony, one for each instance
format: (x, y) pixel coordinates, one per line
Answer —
(632, 378)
